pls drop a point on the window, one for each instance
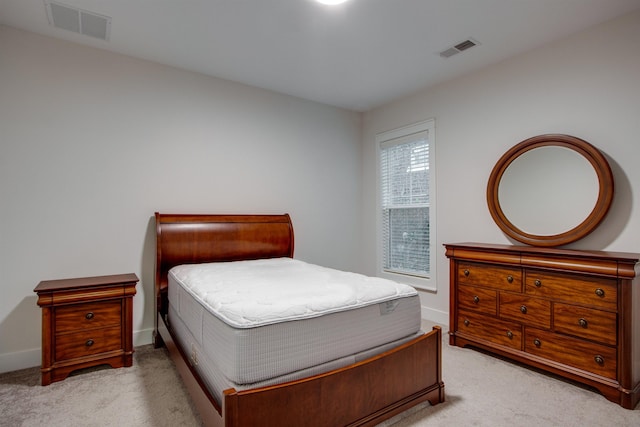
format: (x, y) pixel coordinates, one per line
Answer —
(406, 178)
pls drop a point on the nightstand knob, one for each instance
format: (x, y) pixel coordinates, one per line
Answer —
(583, 322)
(538, 283)
(89, 315)
(466, 322)
(537, 342)
(510, 335)
(466, 272)
(476, 299)
(600, 292)
(599, 360)
(510, 279)
(89, 343)
(523, 309)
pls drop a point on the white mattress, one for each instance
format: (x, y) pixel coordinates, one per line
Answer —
(253, 321)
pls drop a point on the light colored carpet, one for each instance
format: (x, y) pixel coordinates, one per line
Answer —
(150, 393)
(481, 390)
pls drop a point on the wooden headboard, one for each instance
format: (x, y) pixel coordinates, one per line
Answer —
(191, 239)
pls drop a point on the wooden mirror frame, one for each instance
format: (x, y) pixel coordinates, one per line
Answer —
(602, 205)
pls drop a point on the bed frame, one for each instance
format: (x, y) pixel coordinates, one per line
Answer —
(362, 394)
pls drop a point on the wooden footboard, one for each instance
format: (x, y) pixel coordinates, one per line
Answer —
(363, 394)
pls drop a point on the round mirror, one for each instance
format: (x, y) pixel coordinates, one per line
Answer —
(550, 190)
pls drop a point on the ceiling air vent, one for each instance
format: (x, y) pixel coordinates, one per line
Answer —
(77, 20)
(462, 46)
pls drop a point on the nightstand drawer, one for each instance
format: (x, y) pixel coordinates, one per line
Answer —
(86, 343)
(89, 315)
(596, 358)
(592, 324)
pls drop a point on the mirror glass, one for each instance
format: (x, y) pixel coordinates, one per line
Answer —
(548, 190)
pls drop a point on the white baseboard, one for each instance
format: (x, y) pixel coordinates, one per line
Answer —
(142, 337)
(33, 358)
(437, 316)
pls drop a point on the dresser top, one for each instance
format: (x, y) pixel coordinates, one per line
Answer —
(534, 250)
(612, 264)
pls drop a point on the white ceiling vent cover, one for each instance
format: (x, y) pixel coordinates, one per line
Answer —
(77, 20)
(462, 46)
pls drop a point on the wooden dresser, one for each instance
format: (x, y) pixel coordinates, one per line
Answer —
(573, 313)
(86, 322)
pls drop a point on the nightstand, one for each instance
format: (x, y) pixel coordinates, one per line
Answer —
(86, 322)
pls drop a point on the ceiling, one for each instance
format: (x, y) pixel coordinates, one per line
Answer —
(358, 55)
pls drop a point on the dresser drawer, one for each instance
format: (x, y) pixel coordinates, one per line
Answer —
(488, 275)
(525, 309)
(573, 288)
(595, 358)
(89, 315)
(86, 343)
(589, 323)
(496, 331)
(478, 299)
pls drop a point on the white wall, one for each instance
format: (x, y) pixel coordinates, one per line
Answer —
(89, 143)
(92, 144)
(586, 85)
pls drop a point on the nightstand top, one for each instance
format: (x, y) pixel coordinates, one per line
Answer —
(85, 282)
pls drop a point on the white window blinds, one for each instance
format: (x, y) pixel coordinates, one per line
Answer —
(404, 172)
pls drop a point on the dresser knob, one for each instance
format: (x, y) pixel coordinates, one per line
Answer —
(523, 309)
(89, 315)
(466, 272)
(466, 322)
(510, 335)
(537, 342)
(538, 283)
(89, 343)
(510, 279)
(600, 292)
(599, 360)
(583, 322)
(476, 299)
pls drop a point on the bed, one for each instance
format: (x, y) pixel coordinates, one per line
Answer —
(358, 390)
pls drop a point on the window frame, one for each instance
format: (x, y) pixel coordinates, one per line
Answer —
(393, 137)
